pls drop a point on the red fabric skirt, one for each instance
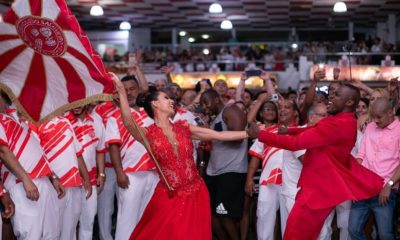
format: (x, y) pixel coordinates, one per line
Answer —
(184, 215)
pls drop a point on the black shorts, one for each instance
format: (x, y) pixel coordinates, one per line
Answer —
(227, 194)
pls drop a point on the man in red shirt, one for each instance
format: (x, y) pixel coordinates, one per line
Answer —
(330, 174)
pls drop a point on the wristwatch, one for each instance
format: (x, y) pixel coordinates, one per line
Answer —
(390, 183)
(102, 175)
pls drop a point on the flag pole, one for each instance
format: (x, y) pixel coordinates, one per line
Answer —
(150, 151)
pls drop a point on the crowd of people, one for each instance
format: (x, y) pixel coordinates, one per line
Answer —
(183, 163)
(267, 57)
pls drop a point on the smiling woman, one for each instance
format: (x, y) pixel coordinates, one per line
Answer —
(180, 200)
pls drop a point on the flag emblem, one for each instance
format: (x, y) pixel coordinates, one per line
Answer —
(43, 35)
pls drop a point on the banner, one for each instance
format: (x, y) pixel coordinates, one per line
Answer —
(47, 64)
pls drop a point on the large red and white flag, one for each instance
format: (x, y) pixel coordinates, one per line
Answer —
(47, 64)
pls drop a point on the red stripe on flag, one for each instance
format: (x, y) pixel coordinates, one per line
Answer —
(34, 91)
(8, 56)
(89, 64)
(6, 37)
(75, 86)
(36, 7)
(11, 17)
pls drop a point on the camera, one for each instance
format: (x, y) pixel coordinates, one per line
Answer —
(274, 97)
(253, 73)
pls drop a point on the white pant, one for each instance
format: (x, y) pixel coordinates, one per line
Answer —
(86, 219)
(105, 204)
(70, 206)
(287, 203)
(133, 200)
(267, 206)
(342, 216)
(35, 219)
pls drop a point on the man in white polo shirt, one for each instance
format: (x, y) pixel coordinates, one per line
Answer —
(90, 133)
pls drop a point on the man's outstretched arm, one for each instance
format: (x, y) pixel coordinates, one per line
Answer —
(324, 133)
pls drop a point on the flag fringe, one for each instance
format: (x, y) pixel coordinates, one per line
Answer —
(59, 111)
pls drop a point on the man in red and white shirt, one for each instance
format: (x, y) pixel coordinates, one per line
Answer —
(25, 172)
(105, 199)
(64, 153)
(90, 133)
(269, 198)
(134, 168)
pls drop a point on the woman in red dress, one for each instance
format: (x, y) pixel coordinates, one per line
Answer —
(185, 212)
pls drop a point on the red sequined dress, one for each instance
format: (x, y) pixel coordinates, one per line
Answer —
(185, 213)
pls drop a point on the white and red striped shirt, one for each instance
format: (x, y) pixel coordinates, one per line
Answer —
(134, 156)
(62, 148)
(25, 146)
(271, 161)
(104, 111)
(90, 134)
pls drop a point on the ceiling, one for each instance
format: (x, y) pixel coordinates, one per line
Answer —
(244, 14)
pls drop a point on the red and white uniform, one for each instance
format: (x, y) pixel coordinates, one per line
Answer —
(134, 156)
(139, 168)
(105, 203)
(32, 219)
(21, 141)
(90, 134)
(62, 149)
(270, 186)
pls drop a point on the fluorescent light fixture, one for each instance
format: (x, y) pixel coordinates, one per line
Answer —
(215, 8)
(96, 10)
(125, 26)
(182, 33)
(226, 24)
(191, 39)
(340, 7)
(205, 36)
(206, 51)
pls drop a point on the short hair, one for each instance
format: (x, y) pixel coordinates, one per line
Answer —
(211, 93)
(356, 93)
(129, 78)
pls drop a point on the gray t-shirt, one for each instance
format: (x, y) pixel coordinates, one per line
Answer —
(226, 156)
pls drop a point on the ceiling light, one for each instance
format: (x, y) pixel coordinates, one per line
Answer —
(206, 51)
(340, 7)
(295, 46)
(96, 10)
(182, 33)
(215, 8)
(125, 26)
(205, 36)
(191, 39)
(226, 24)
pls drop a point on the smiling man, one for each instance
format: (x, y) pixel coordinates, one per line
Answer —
(330, 174)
